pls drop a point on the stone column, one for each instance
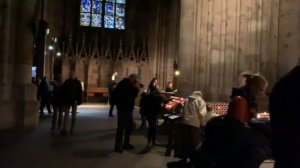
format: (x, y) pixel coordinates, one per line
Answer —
(289, 36)
(7, 119)
(24, 92)
(186, 47)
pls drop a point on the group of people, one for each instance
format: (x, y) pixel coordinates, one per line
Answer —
(123, 95)
(246, 142)
(239, 139)
(63, 97)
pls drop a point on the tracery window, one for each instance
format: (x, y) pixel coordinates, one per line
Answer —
(103, 13)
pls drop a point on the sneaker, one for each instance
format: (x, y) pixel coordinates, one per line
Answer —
(128, 147)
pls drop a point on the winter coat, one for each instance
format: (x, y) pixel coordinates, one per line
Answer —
(194, 110)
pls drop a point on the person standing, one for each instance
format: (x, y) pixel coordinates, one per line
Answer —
(153, 87)
(193, 119)
(243, 104)
(152, 107)
(112, 103)
(57, 102)
(125, 93)
(44, 96)
(72, 97)
(285, 115)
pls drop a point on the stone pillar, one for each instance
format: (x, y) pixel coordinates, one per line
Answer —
(289, 36)
(23, 91)
(7, 118)
(186, 47)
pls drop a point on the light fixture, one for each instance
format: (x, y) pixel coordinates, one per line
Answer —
(50, 47)
(47, 31)
(177, 72)
(58, 54)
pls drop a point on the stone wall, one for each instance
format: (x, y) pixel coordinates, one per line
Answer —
(220, 39)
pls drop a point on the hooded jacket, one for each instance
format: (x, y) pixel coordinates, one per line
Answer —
(194, 110)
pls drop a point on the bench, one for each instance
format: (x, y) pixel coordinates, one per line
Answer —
(93, 90)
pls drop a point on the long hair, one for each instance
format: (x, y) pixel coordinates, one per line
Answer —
(151, 86)
(152, 82)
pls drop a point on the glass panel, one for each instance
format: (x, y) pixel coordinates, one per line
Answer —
(121, 1)
(120, 23)
(85, 19)
(97, 7)
(85, 6)
(111, 1)
(96, 20)
(108, 21)
(109, 9)
(120, 11)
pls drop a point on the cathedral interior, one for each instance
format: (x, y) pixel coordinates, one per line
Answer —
(208, 43)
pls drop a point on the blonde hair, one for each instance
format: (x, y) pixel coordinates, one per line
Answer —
(257, 80)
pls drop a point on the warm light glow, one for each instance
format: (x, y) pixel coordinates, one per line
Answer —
(177, 73)
(50, 47)
(113, 77)
(58, 54)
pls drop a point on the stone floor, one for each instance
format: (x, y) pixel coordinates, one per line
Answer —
(90, 146)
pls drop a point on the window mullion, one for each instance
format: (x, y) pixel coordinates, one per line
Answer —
(115, 14)
(91, 12)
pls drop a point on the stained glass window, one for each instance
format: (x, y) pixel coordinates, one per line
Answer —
(103, 13)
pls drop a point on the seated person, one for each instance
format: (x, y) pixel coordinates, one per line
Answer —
(170, 88)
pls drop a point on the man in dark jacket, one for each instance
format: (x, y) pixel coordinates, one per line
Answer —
(72, 96)
(44, 96)
(124, 96)
(285, 115)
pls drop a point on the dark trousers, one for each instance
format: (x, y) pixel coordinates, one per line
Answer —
(111, 109)
(187, 139)
(43, 103)
(125, 121)
(66, 111)
(57, 116)
(152, 122)
(144, 121)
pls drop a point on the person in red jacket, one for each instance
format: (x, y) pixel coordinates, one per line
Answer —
(243, 100)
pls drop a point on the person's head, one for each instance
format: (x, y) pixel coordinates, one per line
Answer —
(134, 79)
(256, 84)
(170, 85)
(153, 82)
(243, 77)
